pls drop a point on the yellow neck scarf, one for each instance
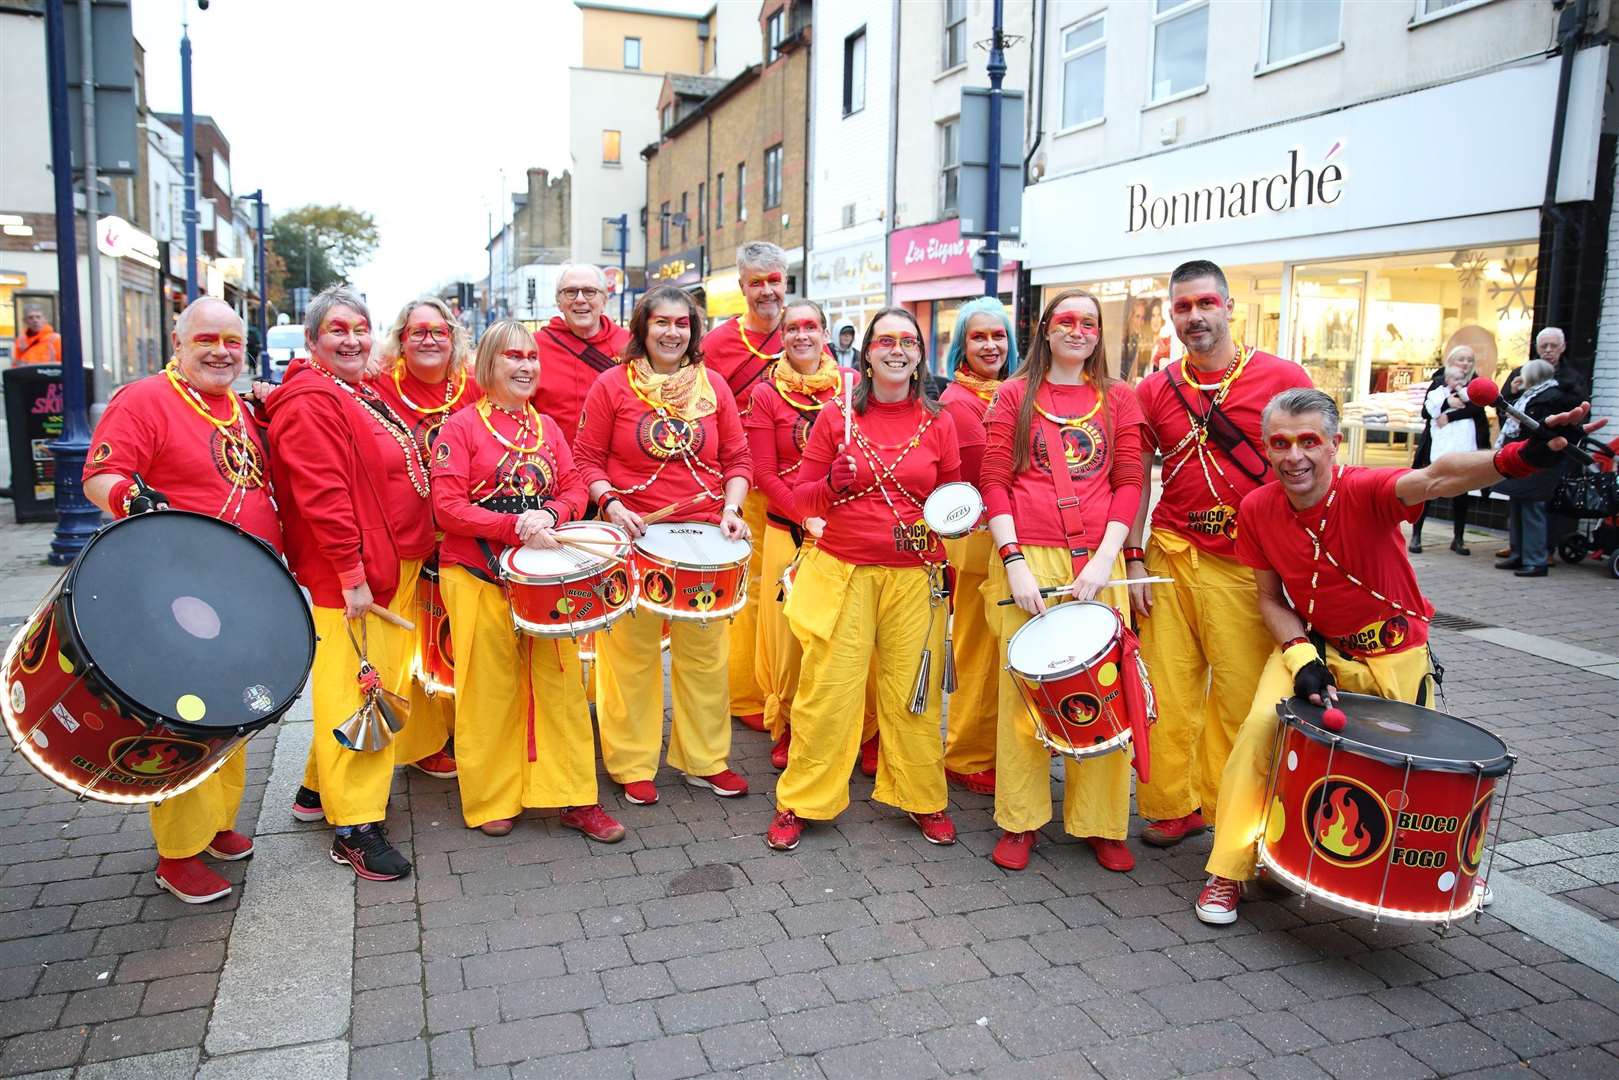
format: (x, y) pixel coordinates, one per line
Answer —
(686, 393)
(984, 388)
(801, 391)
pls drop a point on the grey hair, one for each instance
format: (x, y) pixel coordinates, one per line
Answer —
(1536, 371)
(1302, 401)
(566, 268)
(183, 323)
(761, 255)
(32, 309)
(333, 296)
(1558, 330)
(391, 346)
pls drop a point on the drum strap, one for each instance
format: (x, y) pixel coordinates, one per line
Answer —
(1068, 509)
(491, 576)
(795, 530)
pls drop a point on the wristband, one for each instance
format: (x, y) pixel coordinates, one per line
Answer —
(1009, 549)
(1134, 554)
(119, 497)
(606, 499)
(1509, 462)
(1008, 560)
(729, 509)
(1290, 642)
(1297, 656)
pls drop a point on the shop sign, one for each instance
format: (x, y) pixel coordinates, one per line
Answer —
(119, 239)
(1289, 188)
(930, 251)
(683, 268)
(853, 270)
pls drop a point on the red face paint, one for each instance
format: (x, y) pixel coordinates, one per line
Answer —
(773, 278)
(1306, 442)
(343, 328)
(1185, 305)
(664, 322)
(213, 341)
(1071, 322)
(517, 356)
(805, 326)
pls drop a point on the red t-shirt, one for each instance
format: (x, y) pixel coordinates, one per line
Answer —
(1106, 472)
(570, 365)
(1363, 533)
(777, 436)
(1186, 505)
(149, 429)
(418, 403)
(624, 441)
(727, 355)
(470, 468)
(967, 409)
(861, 527)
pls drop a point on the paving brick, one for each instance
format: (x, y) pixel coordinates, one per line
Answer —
(684, 1013)
(385, 1016)
(31, 952)
(165, 963)
(146, 1035)
(556, 994)
(965, 1049)
(995, 998)
(892, 1059)
(1579, 1022)
(719, 968)
(395, 1061)
(181, 992)
(1136, 971)
(400, 937)
(595, 954)
(873, 942)
(1191, 1003)
(102, 1004)
(451, 1053)
(1008, 956)
(792, 993)
(809, 1031)
(512, 966)
(1014, 921)
(691, 908)
(1045, 1030)
(935, 968)
(42, 1050)
(1063, 985)
(1454, 1047)
(1281, 1033)
(393, 969)
(1291, 1067)
(617, 1025)
(637, 983)
(1477, 994)
(739, 1045)
(34, 1014)
(518, 1040)
(462, 1009)
(76, 974)
(606, 1064)
(536, 930)
(672, 1058)
(1370, 1059)
(798, 954)
(1189, 1049)
(1581, 1064)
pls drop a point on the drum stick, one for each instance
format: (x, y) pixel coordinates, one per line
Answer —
(389, 617)
(588, 545)
(846, 376)
(1067, 590)
(667, 511)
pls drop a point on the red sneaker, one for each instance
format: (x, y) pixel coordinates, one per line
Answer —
(230, 845)
(641, 792)
(784, 831)
(725, 783)
(1112, 854)
(778, 753)
(498, 827)
(1217, 903)
(440, 766)
(937, 828)
(190, 881)
(1174, 830)
(1012, 850)
(752, 721)
(594, 822)
(868, 757)
(979, 783)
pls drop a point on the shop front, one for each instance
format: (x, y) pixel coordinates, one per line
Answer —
(849, 282)
(722, 288)
(930, 271)
(683, 268)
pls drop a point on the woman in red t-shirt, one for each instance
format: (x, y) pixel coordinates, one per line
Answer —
(873, 583)
(662, 430)
(503, 476)
(1062, 397)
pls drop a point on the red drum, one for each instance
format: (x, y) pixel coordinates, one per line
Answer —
(1069, 666)
(435, 656)
(171, 640)
(1386, 818)
(689, 571)
(571, 590)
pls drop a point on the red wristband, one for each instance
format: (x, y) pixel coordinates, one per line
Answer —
(1134, 555)
(1300, 640)
(606, 499)
(1509, 462)
(1008, 550)
(118, 497)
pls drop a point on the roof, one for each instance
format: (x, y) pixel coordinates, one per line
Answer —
(697, 13)
(697, 86)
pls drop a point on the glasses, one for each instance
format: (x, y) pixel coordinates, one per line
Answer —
(583, 292)
(1183, 305)
(1069, 323)
(420, 334)
(887, 342)
(1283, 443)
(213, 341)
(517, 356)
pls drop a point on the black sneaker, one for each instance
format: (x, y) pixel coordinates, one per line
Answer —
(367, 851)
(306, 805)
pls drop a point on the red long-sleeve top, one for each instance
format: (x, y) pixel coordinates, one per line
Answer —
(730, 357)
(967, 409)
(777, 436)
(420, 404)
(637, 449)
(570, 365)
(471, 467)
(861, 527)
(1103, 455)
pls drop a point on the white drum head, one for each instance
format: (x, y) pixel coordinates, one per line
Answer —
(953, 509)
(1067, 637)
(694, 544)
(527, 562)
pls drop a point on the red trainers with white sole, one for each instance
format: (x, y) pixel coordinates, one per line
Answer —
(230, 845)
(190, 881)
(725, 783)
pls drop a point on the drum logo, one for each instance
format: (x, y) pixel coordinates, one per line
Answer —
(141, 755)
(615, 588)
(1082, 449)
(1348, 825)
(703, 596)
(1216, 521)
(441, 454)
(658, 587)
(1080, 709)
(1379, 637)
(35, 645)
(801, 433)
(445, 651)
(1470, 848)
(664, 437)
(915, 537)
(573, 604)
(103, 452)
(238, 461)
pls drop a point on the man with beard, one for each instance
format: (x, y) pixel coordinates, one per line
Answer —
(577, 345)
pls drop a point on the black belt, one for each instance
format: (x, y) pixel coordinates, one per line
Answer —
(795, 530)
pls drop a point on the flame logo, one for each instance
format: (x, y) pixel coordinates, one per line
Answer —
(142, 756)
(658, 587)
(1338, 827)
(1079, 709)
(444, 642)
(1470, 846)
(664, 437)
(35, 644)
(615, 589)
(1348, 824)
(1394, 632)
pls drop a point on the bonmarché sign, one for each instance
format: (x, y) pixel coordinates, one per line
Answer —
(1293, 187)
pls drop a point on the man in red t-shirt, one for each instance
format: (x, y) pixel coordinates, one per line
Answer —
(1352, 615)
(576, 346)
(1201, 636)
(194, 446)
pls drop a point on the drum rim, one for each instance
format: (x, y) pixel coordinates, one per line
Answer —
(664, 560)
(581, 574)
(1079, 665)
(977, 497)
(1490, 768)
(70, 630)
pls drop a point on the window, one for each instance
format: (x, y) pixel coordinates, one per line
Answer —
(742, 191)
(702, 209)
(719, 200)
(955, 34)
(949, 165)
(610, 236)
(773, 177)
(632, 54)
(775, 29)
(848, 215)
(854, 72)
(684, 219)
(1084, 69)
(668, 120)
(663, 226)
(1300, 27)
(610, 145)
(1180, 45)
(1431, 9)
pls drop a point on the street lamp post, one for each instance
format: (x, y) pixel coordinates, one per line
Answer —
(264, 293)
(623, 263)
(990, 255)
(188, 127)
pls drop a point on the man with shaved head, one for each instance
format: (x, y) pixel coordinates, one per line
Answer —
(183, 439)
(39, 343)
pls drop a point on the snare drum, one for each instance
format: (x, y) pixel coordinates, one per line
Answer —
(435, 656)
(689, 571)
(570, 591)
(953, 510)
(1068, 664)
(1387, 818)
(173, 639)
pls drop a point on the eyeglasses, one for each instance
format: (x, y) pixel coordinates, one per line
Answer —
(517, 356)
(1283, 443)
(213, 341)
(583, 292)
(887, 342)
(420, 334)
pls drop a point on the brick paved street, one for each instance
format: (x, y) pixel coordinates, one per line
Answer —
(690, 949)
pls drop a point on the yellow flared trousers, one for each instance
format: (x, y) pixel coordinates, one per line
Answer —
(185, 824)
(969, 742)
(353, 784)
(1096, 790)
(1205, 645)
(629, 696)
(1401, 676)
(500, 675)
(747, 695)
(777, 659)
(842, 615)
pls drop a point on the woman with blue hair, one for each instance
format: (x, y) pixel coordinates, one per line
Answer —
(982, 353)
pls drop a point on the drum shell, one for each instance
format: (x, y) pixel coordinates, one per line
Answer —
(688, 592)
(1081, 707)
(567, 605)
(435, 652)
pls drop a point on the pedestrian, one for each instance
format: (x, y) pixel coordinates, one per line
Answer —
(1455, 425)
(1542, 395)
(39, 342)
(577, 345)
(846, 354)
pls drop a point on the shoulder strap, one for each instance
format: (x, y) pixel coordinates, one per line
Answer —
(1068, 509)
(1239, 450)
(589, 355)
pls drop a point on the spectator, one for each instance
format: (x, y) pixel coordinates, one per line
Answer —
(1455, 425)
(1542, 396)
(846, 354)
(39, 342)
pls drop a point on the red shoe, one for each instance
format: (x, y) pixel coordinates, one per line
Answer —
(937, 828)
(1172, 831)
(1217, 903)
(440, 766)
(230, 845)
(752, 721)
(725, 783)
(1012, 850)
(778, 753)
(594, 822)
(498, 827)
(868, 757)
(1112, 854)
(641, 792)
(784, 831)
(191, 881)
(979, 783)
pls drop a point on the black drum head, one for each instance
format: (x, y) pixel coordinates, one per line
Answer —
(189, 619)
(1391, 731)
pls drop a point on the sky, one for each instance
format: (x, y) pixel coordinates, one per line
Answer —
(406, 109)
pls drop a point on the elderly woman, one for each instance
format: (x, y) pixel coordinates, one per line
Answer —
(661, 430)
(1455, 425)
(353, 490)
(1542, 396)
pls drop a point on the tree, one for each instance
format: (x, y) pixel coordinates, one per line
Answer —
(321, 245)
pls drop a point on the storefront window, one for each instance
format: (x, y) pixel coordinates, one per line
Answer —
(10, 281)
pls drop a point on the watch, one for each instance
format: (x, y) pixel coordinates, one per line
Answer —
(729, 509)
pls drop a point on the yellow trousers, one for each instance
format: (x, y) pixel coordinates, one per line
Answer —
(842, 615)
(1205, 645)
(777, 658)
(1096, 790)
(500, 677)
(353, 784)
(629, 696)
(184, 825)
(969, 742)
(747, 696)
(1401, 676)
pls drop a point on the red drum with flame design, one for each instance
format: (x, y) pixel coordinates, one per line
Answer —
(435, 656)
(572, 590)
(1388, 818)
(1069, 666)
(688, 570)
